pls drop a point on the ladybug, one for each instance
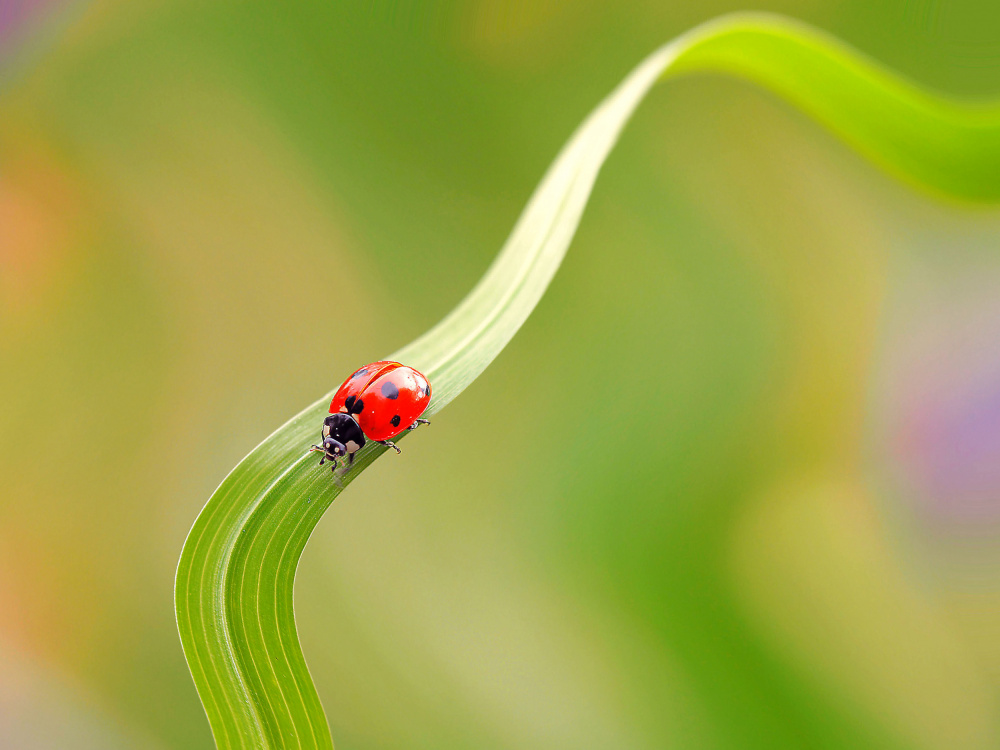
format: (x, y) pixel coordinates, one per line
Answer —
(378, 402)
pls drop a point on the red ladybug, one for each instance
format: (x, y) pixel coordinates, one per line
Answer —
(377, 402)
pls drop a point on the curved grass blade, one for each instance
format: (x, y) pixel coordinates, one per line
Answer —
(237, 569)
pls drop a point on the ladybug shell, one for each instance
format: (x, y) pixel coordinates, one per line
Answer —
(355, 384)
(393, 396)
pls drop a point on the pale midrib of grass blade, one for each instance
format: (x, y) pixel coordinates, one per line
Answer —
(237, 569)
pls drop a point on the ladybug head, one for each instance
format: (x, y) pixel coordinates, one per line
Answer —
(333, 447)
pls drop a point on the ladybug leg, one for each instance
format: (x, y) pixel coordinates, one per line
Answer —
(350, 459)
(389, 444)
(417, 423)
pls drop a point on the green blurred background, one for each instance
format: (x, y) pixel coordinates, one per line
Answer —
(736, 483)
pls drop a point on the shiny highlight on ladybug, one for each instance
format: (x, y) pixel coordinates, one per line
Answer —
(378, 402)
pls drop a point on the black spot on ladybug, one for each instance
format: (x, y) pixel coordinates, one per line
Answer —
(389, 390)
(394, 421)
(359, 373)
(359, 406)
(426, 389)
(350, 402)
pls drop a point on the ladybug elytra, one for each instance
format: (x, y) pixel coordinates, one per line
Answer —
(378, 402)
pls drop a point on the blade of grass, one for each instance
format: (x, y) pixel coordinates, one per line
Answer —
(236, 573)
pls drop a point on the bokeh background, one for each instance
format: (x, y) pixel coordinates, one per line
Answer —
(736, 483)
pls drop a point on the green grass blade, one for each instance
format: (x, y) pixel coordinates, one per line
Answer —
(236, 572)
